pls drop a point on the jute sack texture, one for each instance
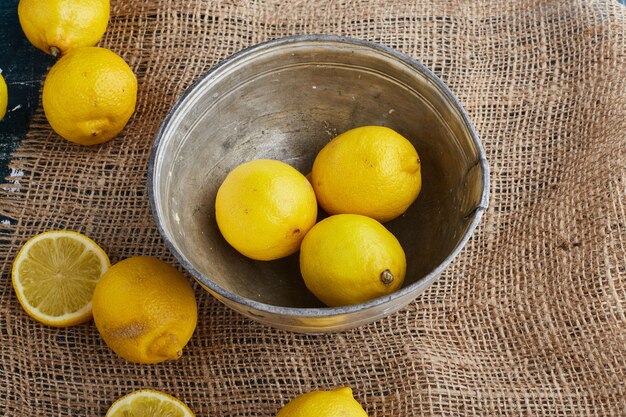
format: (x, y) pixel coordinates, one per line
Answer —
(528, 320)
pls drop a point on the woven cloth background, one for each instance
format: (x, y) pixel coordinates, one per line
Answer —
(529, 320)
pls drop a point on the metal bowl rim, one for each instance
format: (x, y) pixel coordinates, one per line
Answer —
(323, 311)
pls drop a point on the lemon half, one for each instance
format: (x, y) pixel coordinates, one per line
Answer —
(54, 276)
(148, 403)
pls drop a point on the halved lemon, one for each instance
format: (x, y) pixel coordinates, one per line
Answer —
(148, 402)
(54, 276)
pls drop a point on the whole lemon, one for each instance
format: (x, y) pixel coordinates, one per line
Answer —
(57, 26)
(4, 96)
(370, 170)
(264, 208)
(145, 310)
(89, 95)
(348, 259)
(336, 403)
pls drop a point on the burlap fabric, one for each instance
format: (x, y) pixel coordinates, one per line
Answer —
(529, 319)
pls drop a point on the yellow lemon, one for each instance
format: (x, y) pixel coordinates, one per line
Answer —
(57, 26)
(4, 96)
(54, 276)
(336, 403)
(348, 259)
(370, 170)
(89, 95)
(149, 403)
(145, 310)
(264, 208)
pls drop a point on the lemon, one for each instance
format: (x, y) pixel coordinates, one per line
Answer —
(89, 95)
(336, 403)
(57, 26)
(54, 276)
(145, 310)
(348, 259)
(4, 96)
(370, 170)
(264, 208)
(148, 403)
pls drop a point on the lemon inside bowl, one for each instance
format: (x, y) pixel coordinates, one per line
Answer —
(285, 99)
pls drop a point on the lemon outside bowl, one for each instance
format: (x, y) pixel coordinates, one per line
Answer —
(285, 99)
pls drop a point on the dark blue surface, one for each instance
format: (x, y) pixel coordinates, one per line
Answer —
(23, 68)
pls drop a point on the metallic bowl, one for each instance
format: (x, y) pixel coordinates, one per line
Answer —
(285, 99)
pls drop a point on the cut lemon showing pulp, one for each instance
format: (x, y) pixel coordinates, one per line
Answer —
(147, 402)
(54, 276)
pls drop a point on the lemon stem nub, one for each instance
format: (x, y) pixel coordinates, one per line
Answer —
(55, 52)
(166, 346)
(386, 277)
